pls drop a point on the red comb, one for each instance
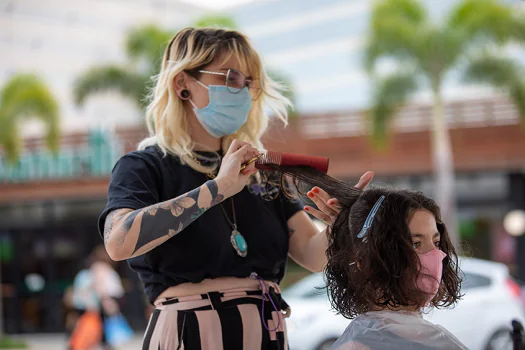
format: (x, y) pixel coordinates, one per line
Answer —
(289, 159)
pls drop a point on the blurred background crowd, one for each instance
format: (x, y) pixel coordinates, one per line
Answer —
(429, 94)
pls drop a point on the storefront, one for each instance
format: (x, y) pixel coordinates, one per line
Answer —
(49, 228)
(43, 246)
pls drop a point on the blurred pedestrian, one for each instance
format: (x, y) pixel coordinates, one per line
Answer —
(98, 290)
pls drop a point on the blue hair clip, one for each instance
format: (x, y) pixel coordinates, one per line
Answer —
(370, 218)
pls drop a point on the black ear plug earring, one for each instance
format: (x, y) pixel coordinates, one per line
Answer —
(185, 94)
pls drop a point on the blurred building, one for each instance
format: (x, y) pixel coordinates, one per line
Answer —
(46, 240)
(49, 205)
(59, 40)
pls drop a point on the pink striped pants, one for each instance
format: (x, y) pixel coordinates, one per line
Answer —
(217, 321)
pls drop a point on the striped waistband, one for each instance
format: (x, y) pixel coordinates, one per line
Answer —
(219, 300)
(212, 296)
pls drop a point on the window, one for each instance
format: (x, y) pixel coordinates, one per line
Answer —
(473, 280)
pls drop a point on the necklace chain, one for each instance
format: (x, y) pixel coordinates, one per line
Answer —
(234, 223)
(210, 175)
(235, 235)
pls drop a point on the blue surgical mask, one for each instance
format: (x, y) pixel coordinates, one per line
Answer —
(226, 112)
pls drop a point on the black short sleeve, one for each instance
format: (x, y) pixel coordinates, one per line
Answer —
(134, 184)
(204, 249)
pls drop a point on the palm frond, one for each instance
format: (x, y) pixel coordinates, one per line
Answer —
(11, 143)
(501, 72)
(390, 93)
(392, 38)
(27, 93)
(394, 31)
(487, 20)
(106, 78)
(439, 49)
(27, 96)
(410, 11)
(448, 47)
(216, 21)
(148, 42)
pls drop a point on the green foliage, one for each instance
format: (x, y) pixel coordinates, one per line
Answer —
(27, 96)
(147, 43)
(8, 343)
(391, 92)
(487, 21)
(393, 31)
(467, 229)
(129, 83)
(500, 72)
(216, 21)
(401, 30)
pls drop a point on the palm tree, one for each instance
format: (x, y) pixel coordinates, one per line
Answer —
(26, 96)
(425, 51)
(144, 47)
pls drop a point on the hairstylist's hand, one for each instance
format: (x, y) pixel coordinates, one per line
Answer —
(329, 208)
(230, 172)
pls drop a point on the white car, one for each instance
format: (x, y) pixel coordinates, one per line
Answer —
(481, 320)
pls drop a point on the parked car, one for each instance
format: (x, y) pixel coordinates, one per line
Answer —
(481, 320)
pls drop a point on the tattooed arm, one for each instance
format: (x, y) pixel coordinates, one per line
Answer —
(129, 233)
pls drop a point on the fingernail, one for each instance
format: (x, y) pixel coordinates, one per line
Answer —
(244, 172)
(306, 208)
(315, 190)
(330, 202)
(310, 194)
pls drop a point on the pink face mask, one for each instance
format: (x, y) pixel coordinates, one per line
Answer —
(429, 277)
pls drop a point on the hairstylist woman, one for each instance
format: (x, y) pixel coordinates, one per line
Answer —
(209, 249)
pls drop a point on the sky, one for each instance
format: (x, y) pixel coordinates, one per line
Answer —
(216, 4)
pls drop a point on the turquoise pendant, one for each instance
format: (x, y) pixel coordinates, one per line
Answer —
(239, 243)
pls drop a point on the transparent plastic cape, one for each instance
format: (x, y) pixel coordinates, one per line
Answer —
(395, 330)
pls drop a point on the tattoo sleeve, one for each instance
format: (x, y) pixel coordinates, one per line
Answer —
(136, 232)
(108, 225)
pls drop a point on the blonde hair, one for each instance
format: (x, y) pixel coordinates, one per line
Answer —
(190, 50)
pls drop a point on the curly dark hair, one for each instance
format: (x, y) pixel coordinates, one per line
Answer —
(380, 270)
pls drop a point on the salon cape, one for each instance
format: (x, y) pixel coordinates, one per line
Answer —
(395, 330)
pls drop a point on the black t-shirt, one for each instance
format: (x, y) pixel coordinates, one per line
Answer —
(203, 249)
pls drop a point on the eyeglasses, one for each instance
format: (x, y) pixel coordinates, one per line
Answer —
(235, 81)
